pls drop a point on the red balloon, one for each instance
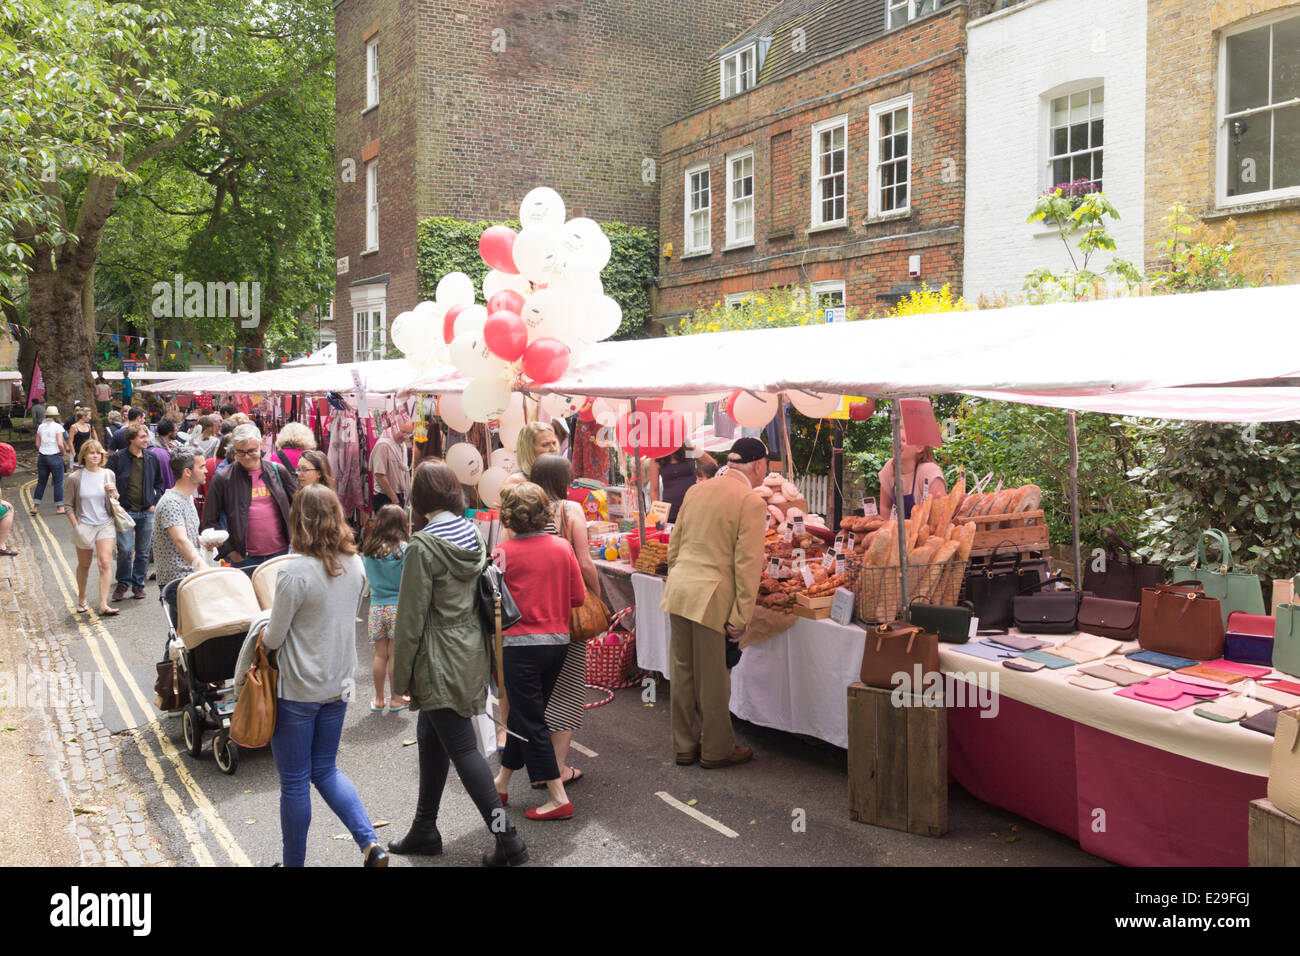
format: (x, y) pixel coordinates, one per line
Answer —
(861, 411)
(729, 406)
(507, 300)
(449, 323)
(496, 245)
(546, 360)
(506, 335)
(657, 433)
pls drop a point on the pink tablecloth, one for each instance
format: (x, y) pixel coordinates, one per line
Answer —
(1156, 808)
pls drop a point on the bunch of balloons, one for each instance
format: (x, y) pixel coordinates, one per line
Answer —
(545, 307)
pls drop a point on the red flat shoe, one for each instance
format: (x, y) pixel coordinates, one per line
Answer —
(563, 812)
(505, 798)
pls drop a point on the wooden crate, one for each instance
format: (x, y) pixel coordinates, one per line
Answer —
(898, 763)
(1274, 836)
(1027, 532)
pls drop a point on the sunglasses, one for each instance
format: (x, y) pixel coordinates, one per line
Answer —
(247, 453)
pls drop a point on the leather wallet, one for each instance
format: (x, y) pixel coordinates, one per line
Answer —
(1114, 673)
(1285, 686)
(1225, 712)
(1052, 661)
(1020, 664)
(1088, 682)
(1018, 643)
(1212, 673)
(1168, 661)
(1265, 722)
(1238, 667)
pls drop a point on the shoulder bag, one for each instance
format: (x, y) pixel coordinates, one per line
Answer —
(1234, 590)
(1286, 637)
(898, 648)
(592, 619)
(253, 721)
(992, 587)
(1181, 620)
(1124, 574)
(1284, 768)
(1107, 617)
(951, 624)
(1053, 612)
(121, 520)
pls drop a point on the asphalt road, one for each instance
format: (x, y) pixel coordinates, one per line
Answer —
(634, 807)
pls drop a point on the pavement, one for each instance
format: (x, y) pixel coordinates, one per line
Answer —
(93, 774)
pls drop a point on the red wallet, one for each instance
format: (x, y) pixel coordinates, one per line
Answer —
(1256, 625)
(1285, 686)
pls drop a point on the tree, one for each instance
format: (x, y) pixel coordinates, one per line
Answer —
(1079, 213)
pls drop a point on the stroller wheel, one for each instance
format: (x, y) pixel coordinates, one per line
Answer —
(192, 730)
(226, 752)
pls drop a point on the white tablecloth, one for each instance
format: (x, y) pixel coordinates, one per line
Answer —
(797, 682)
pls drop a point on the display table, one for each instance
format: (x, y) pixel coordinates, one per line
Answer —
(1172, 788)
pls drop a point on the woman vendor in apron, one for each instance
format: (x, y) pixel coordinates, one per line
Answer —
(922, 478)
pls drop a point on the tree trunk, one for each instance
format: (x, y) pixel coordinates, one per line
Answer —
(253, 340)
(59, 332)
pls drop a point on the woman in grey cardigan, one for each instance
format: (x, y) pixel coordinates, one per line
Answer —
(313, 628)
(441, 659)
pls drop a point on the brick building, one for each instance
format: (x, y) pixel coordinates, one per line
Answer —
(459, 108)
(1223, 121)
(1039, 114)
(824, 149)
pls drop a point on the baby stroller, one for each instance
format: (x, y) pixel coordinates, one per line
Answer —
(209, 613)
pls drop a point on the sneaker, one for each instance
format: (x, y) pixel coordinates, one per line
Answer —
(119, 592)
(138, 594)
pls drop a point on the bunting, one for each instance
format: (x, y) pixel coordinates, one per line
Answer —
(186, 350)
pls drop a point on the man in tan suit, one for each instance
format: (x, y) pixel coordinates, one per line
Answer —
(715, 560)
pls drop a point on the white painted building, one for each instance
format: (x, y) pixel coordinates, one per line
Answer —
(1055, 91)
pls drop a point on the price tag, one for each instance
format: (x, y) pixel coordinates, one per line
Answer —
(828, 560)
(840, 564)
(849, 548)
(869, 507)
(658, 512)
(787, 532)
(808, 579)
(974, 628)
(798, 559)
(839, 542)
(798, 524)
(774, 568)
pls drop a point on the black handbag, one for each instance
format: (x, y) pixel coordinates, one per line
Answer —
(992, 587)
(952, 624)
(1052, 612)
(1125, 575)
(491, 590)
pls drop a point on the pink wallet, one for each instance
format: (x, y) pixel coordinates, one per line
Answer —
(1249, 670)
(1169, 694)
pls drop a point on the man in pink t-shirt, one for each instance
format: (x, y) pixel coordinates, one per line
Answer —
(251, 502)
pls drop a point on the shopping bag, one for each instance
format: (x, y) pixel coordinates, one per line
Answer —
(1286, 637)
(611, 657)
(1234, 590)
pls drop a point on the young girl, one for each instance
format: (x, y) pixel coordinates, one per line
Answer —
(383, 551)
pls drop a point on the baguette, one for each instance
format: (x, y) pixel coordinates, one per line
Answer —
(965, 541)
(1030, 498)
(934, 541)
(1002, 501)
(930, 587)
(921, 514)
(881, 544)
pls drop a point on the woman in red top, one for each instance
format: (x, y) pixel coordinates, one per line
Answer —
(544, 579)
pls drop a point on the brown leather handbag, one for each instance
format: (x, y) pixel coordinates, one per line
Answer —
(898, 648)
(253, 721)
(1181, 620)
(590, 620)
(1104, 617)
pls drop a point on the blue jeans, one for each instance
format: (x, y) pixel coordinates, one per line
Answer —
(250, 564)
(305, 744)
(133, 550)
(46, 466)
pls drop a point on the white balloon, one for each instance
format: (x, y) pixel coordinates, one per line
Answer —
(755, 412)
(585, 238)
(538, 255)
(486, 398)
(455, 288)
(451, 411)
(489, 485)
(472, 357)
(561, 406)
(547, 313)
(423, 332)
(495, 282)
(431, 307)
(814, 404)
(397, 333)
(603, 317)
(512, 421)
(471, 320)
(541, 207)
(465, 460)
(505, 459)
(577, 346)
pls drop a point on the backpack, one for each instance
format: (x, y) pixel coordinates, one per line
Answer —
(8, 460)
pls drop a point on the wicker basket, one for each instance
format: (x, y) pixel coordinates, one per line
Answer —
(878, 591)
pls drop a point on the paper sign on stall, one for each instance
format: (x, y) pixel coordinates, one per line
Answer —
(659, 511)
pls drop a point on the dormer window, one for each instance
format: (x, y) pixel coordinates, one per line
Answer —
(739, 71)
(900, 12)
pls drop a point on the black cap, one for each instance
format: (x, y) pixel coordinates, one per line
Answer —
(746, 450)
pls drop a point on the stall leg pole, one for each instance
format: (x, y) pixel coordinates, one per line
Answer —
(896, 417)
(1074, 496)
(837, 473)
(784, 425)
(636, 471)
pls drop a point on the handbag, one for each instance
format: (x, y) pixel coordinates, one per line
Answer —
(1265, 722)
(172, 693)
(898, 648)
(121, 520)
(1053, 612)
(1124, 573)
(1182, 621)
(951, 624)
(492, 591)
(1109, 617)
(611, 660)
(1284, 767)
(253, 722)
(1249, 638)
(589, 620)
(991, 588)
(1286, 637)
(1234, 590)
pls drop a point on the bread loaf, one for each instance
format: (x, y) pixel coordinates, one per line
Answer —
(882, 543)
(965, 540)
(1031, 496)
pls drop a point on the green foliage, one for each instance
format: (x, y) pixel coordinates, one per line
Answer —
(1081, 225)
(1199, 259)
(927, 301)
(1244, 480)
(451, 245)
(773, 309)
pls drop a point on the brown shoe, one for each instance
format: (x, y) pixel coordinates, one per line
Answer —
(739, 755)
(685, 760)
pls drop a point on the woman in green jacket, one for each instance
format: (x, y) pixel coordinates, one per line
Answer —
(441, 659)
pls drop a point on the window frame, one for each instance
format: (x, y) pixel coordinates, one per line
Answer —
(1222, 124)
(372, 72)
(736, 300)
(873, 170)
(751, 73)
(687, 232)
(372, 207)
(1066, 91)
(374, 328)
(829, 287)
(732, 242)
(816, 179)
(912, 15)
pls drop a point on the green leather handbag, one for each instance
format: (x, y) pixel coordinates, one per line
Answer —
(952, 624)
(1234, 590)
(1286, 636)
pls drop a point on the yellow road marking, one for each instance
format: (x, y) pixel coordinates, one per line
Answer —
(216, 826)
